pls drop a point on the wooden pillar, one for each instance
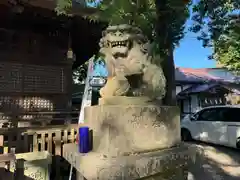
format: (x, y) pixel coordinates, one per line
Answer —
(69, 81)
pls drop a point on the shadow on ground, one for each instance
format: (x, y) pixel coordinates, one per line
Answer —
(214, 163)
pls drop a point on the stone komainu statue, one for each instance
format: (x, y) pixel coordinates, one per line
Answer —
(132, 69)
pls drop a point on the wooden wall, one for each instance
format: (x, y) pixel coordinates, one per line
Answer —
(35, 74)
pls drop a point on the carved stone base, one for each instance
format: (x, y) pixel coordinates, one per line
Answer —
(131, 129)
(36, 165)
(124, 100)
(168, 164)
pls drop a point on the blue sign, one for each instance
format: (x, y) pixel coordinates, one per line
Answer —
(99, 68)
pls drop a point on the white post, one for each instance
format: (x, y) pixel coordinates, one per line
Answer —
(87, 96)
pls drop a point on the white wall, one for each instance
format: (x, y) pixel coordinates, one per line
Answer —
(194, 103)
(180, 88)
(191, 105)
(186, 104)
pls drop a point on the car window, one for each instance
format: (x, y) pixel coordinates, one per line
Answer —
(210, 115)
(195, 116)
(230, 114)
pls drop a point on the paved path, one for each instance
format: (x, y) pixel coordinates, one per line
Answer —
(215, 163)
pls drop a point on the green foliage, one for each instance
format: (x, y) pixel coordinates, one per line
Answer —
(80, 73)
(63, 6)
(227, 47)
(233, 99)
(218, 23)
(140, 13)
(172, 16)
(145, 15)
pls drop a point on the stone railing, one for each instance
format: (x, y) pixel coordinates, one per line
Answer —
(38, 139)
(50, 138)
(5, 159)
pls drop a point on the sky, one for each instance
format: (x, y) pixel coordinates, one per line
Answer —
(190, 52)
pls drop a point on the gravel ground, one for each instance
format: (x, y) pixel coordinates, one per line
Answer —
(215, 163)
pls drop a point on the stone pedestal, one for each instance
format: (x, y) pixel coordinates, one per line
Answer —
(129, 129)
(135, 140)
(168, 164)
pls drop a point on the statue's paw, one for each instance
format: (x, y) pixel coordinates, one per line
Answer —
(116, 86)
(101, 92)
(109, 90)
(106, 92)
(137, 92)
(122, 91)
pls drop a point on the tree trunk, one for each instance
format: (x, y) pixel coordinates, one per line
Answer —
(165, 44)
(169, 72)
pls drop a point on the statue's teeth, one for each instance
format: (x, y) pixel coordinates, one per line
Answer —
(119, 43)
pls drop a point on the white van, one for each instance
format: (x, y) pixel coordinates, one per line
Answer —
(216, 124)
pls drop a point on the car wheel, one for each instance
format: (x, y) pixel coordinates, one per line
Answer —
(186, 135)
(238, 143)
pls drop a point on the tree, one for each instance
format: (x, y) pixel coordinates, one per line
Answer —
(131, 12)
(171, 18)
(80, 73)
(233, 99)
(161, 21)
(63, 6)
(227, 47)
(218, 23)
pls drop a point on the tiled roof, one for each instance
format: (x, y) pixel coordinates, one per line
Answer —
(182, 76)
(200, 73)
(203, 74)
